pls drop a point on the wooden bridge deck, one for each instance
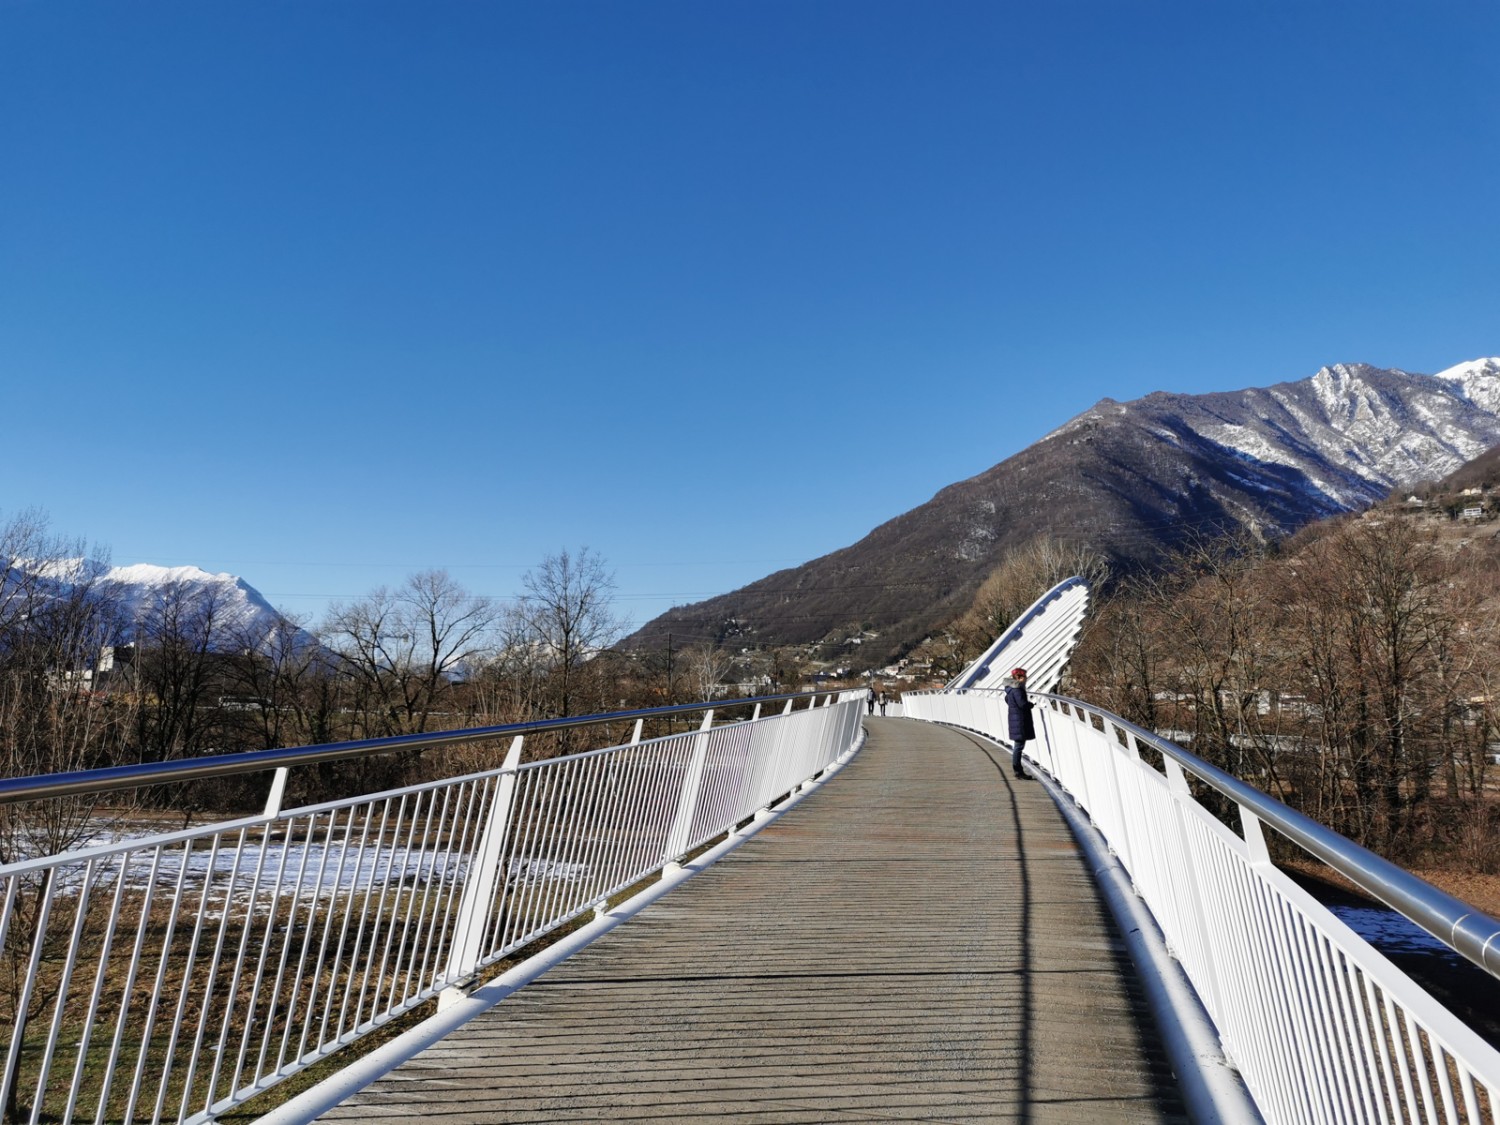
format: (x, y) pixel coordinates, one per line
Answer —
(917, 941)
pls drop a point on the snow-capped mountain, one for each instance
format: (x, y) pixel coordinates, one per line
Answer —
(221, 610)
(1130, 480)
(237, 609)
(1351, 432)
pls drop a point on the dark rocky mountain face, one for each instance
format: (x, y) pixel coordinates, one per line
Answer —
(1130, 480)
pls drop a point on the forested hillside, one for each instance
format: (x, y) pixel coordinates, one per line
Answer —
(1353, 670)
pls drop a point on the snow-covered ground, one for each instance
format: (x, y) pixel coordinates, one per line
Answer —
(256, 869)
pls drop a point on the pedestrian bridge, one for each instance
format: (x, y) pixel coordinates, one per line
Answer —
(919, 939)
(794, 912)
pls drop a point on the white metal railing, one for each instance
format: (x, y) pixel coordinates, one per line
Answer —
(172, 978)
(1040, 640)
(1322, 1027)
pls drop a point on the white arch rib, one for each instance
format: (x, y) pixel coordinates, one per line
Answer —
(1041, 640)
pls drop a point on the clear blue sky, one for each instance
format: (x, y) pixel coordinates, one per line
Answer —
(325, 293)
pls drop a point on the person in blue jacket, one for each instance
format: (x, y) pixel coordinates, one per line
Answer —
(1022, 730)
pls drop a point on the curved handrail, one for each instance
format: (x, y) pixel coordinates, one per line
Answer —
(111, 778)
(1471, 933)
(1060, 617)
(1319, 1023)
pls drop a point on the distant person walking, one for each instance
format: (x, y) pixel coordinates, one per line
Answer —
(1022, 730)
(883, 698)
(870, 700)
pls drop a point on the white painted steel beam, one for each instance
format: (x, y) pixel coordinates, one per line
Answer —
(1041, 640)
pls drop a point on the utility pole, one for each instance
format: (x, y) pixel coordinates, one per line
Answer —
(671, 697)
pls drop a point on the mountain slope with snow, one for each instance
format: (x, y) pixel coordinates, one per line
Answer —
(1352, 432)
(232, 608)
(221, 612)
(1130, 480)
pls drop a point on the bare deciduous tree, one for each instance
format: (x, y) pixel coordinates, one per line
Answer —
(55, 626)
(279, 682)
(404, 648)
(706, 666)
(1352, 671)
(568, 617)
(178, 638)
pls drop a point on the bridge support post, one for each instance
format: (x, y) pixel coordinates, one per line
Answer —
(277, 793)
(479, 885)
(687, 801)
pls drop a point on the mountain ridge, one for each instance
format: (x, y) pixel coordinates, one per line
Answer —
(1130, 480)
(226, 609)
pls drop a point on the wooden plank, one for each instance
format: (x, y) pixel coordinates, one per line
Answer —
(918, 940)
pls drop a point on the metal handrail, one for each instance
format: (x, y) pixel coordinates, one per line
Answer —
(1471, 933)
(1042, 638)
(112, 778)
(1321, 1026)
(1468, 931)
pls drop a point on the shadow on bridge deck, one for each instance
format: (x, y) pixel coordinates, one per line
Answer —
(917, 941)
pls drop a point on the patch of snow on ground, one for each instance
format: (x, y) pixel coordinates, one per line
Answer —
(1431, 410)
(1304, 420)
(263, 874)
(1336, 494)
(1246, 482)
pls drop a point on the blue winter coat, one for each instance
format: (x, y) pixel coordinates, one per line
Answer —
(1021, 728)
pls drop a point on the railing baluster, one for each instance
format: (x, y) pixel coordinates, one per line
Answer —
(296, 1005)
(387, 851)
(263, 956)
(128, 988)
(348, 897)
(462, 855)
(101, 977)
(385, 979)
(137, 1085)
(80, 917)
(282, 1004)
(212, 977)
(364, 890)
(433, 894)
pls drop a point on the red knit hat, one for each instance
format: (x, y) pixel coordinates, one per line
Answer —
(1017, 673)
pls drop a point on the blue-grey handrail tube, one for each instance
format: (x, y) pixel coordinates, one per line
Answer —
(1470, 932)
(111, 778)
